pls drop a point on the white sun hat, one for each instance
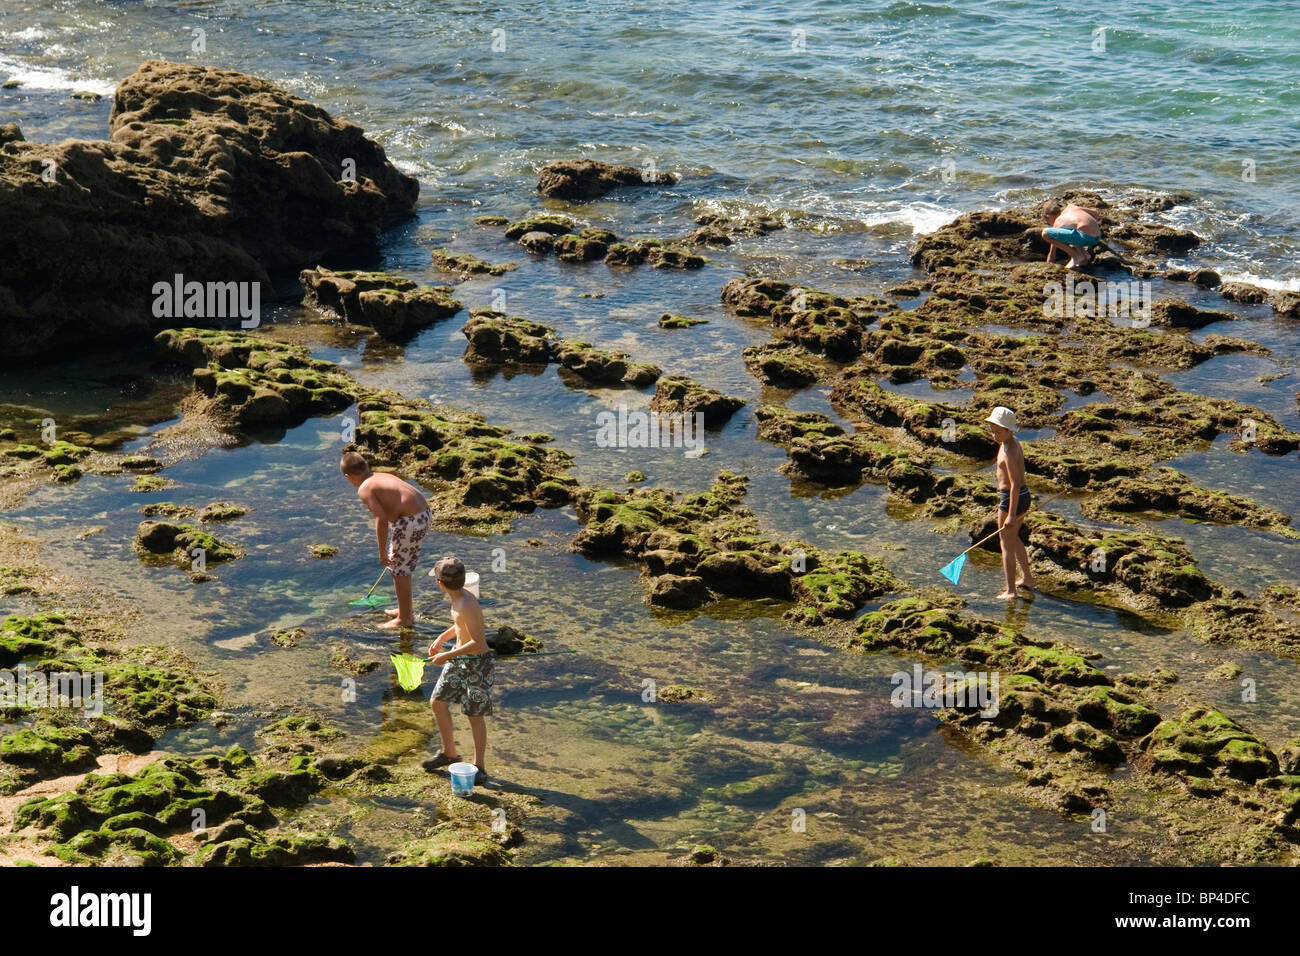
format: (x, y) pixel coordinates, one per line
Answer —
(1003, 416)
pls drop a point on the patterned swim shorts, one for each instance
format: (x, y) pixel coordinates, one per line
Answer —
(467, 679)
(404, 537)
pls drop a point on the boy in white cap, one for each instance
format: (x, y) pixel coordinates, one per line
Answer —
(1011, 488)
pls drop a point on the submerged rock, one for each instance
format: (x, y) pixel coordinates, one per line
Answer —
(670, 321)
(509, 641)
(216, 176)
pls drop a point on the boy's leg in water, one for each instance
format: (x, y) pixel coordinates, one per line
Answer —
(1006, 534)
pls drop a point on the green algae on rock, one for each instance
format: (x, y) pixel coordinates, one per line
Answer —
(466, 264)
(497, 339)
(146, 484)
(1061, 723)
(670, 321)
(180, 541)
(548, 224)
(451, 848)
(115, 818)
(146, 689)
(707, 545)
(245, 380)
(603, 367)
(222, 511)
(823, 323)
(1202, 740)
(480, 478)
(783, 364)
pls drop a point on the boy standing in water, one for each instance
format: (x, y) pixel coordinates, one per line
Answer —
(400, 508)
(1011, 488)
(466, 676)
(1072, 230)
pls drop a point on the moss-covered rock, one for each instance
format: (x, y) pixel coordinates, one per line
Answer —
(681, 396)
(783, 364)
(496, 339)
(452, 848)
(180, 541)
(1202, 740)
(222, 511)
(50, 751)
(670, 320)
(706, 545)
(603, 367)
(466, 264)
(553, 225)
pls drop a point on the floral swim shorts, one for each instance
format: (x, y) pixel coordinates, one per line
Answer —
(404, 537)
(467, 679)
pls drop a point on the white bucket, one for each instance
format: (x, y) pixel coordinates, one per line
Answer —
(462, 778)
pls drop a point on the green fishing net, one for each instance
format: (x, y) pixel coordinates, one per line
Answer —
(410, 670)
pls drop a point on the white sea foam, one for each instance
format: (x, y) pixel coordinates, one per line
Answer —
(1264, 282)
(922, 217)
(34, 77)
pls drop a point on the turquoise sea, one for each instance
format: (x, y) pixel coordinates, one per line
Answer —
(873, 120)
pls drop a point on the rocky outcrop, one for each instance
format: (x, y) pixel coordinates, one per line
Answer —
(680, 396)
(696, 548)
(393, 306)
(580, 179)
(497, 340)
(213, 175)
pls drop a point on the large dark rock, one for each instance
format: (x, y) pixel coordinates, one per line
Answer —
(211, 174)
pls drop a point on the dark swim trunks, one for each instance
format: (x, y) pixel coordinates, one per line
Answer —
(467, 680)
(1004, 500)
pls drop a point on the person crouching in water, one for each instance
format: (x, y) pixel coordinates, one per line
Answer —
(398, 508)
(1011, 488)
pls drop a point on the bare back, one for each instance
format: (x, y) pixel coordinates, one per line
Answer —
(390, 498)
(1080, 218)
